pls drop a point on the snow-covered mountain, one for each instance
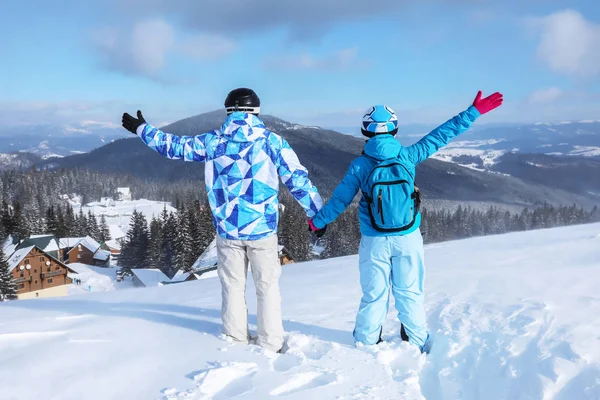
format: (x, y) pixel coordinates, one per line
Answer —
(48, 141)
(484, 145)
(18, 160)
(512, 317)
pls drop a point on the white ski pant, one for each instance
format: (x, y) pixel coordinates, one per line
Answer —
(263, 257)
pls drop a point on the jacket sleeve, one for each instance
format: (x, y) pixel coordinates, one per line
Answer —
(295, 177)
(441, 135)
(187, 148)
(341, 199)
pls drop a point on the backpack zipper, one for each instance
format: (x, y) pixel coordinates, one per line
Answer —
(380, 201)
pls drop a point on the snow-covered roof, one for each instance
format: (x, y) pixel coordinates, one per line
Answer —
(116, 232)
(17, 257)
(180, 276)
(123, 190)
(113, 244)
(150, 277)
(69, 242)
(102, 255)
(86, 242)
(208, 259)
(46, 243)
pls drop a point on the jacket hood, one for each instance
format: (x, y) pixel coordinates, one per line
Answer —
(383, 147)
(242, 127)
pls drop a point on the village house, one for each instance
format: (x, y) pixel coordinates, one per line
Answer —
(38, 274)
(84, 250)
(113, 246)
(148, 277)
(124, 194)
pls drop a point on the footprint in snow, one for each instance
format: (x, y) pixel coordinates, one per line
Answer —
(305, 381)
(219, 381)
(308, 347)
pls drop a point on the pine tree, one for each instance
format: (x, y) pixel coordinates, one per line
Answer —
(70, 222)
(134, 253)
(155, 244)
(182, 241)
(104, 230)
(7, 219)
(81, 225)
(52, 222)
(168, 241)
(8, 287)
(92, 226)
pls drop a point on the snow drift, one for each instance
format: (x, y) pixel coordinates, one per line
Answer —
(515, 316)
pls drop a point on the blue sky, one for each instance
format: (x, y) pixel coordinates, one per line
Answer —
(315, 62)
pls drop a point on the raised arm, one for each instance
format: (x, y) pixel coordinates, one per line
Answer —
(341, 199)
(295, 177)
(187, 148)
(441, 135)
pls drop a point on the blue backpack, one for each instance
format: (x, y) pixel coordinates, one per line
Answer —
(392, 197)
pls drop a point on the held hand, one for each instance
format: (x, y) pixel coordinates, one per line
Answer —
(131, 123)
(318, 232)
(489, 103)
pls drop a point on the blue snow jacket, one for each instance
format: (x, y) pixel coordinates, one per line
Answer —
(244, 162)
(385, 147)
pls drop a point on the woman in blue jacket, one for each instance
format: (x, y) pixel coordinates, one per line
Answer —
(392, 255)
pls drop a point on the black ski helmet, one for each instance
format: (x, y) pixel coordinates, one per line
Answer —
(242, 99)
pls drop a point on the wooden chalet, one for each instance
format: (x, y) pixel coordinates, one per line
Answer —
(38, 274)
(84, 250)
(285, 257)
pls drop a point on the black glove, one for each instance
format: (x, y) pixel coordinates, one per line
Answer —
(131, 123)
(318, 232)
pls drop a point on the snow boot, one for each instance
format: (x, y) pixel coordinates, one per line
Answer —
(403, 334)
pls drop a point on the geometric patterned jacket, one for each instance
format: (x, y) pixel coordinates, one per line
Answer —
(244, 162)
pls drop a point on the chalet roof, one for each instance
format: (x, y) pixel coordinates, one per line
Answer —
(86, 242)
(18, 256)
(180, 276)
(150, 277)
(116, 232)
(113, 244)
(208, 259)
(102, 255)
(46, 243)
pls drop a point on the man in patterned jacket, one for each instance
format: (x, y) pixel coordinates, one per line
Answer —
(243, 164)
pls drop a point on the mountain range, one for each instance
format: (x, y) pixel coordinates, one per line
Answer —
(513, 178)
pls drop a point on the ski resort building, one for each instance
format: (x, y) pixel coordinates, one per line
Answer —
(37, 273)
(84, 250)
(124, 194)
(149, 277)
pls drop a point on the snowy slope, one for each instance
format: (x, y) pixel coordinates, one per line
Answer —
(512, 317)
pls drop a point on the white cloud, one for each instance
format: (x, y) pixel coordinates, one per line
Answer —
(144, 49)
(342, 59)
(207, 47)
(570, 44)
(545, 95)
(141, 51)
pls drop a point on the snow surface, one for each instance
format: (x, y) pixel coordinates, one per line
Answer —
(514, 316)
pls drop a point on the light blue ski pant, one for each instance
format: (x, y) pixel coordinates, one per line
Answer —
(396, 261)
